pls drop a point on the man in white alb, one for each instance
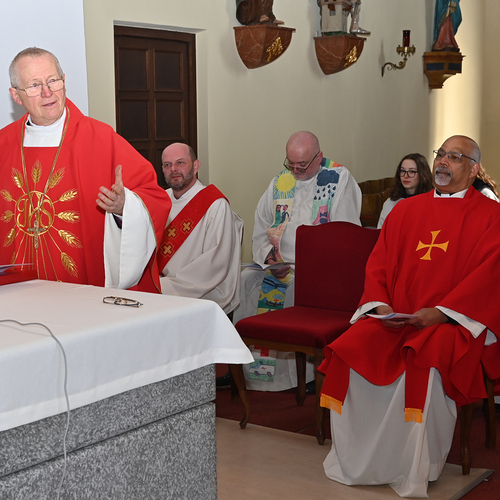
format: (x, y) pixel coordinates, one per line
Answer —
(310, 190)
(200, 254)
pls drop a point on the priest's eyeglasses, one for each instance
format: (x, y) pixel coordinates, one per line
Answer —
(36, 89)
(409, 173)
(122, 301)
(300, 166)
(453, 156)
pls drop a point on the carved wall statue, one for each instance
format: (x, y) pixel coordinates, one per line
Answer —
(337, 48)
(250, 12)
(447, 19)
(445, 58)
(335, 14)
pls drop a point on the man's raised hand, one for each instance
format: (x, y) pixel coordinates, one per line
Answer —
(113, 200)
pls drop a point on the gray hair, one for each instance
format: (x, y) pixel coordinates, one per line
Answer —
(30, 52)
(475, 151)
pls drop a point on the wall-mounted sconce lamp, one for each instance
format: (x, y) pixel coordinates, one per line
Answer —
(406, 51)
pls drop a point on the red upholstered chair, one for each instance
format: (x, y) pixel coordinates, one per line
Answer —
(329, 279)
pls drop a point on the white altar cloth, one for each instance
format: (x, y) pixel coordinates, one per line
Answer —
(110, 349)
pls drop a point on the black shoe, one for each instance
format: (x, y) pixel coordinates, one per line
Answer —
(311, 387)
(223, 382)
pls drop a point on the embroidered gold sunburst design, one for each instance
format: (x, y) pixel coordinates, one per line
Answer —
(36, 219)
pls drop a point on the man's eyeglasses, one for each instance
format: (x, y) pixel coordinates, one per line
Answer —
(301, 166)
(122, 301)
(409, 173)
(453, 156)
(37, 88)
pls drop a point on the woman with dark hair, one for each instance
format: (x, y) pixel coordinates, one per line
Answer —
(413, 176)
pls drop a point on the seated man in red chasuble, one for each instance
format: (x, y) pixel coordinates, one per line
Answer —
(78, 202)
(393, 383)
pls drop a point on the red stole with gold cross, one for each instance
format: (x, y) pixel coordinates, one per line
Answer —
(187, 219)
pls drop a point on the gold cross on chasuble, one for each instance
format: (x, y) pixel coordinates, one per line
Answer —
(431, 245)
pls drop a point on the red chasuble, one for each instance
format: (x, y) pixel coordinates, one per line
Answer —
(70, 230)
(431, 251)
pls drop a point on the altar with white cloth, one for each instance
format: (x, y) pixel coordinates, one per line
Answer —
(139, 381)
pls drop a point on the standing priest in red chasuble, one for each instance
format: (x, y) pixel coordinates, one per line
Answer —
(76, 199)
(393, 385)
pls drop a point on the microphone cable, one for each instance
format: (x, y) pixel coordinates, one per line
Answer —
(65, 393)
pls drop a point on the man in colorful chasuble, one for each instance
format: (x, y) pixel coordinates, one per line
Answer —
(77, 201)
(393, 385)
(200, 253)
(310, 190)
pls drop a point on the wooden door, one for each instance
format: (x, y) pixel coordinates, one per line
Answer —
(155, 80)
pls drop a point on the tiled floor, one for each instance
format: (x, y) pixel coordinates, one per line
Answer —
(258, 459)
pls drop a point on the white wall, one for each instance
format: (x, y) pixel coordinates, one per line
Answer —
(54, 25)
(362, 120)
(456, 108)
(490, 122)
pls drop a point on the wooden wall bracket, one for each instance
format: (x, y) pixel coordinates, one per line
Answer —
(261, 44)
(440, 65)
(337, 52)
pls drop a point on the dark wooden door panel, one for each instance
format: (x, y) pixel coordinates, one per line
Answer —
(155, 74)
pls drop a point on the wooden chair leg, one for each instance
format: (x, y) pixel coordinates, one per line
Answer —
(465, 426)
(300, 362)
(490, 414)
(319, 378)
(234, 388)
(236, 372)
